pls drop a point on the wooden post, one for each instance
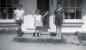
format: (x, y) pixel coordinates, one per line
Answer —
(52, 5)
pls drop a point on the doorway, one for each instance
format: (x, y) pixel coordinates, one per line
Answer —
(43, 6)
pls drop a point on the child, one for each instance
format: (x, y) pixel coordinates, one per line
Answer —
(58, 19)
(38, 22)
(19, 17)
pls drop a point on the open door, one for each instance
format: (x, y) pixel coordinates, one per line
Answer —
(43, 5)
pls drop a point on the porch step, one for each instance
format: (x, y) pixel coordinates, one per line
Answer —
(8, 26)
(72, 26)
(67, 27)
(72, 23)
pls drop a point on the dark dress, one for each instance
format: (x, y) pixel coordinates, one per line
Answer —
(58, 17)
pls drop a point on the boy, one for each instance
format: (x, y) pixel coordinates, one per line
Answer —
(19, 12)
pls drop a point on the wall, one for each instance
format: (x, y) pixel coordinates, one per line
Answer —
(84, 8)
(29, 5)
(84, 16)
(52, 5)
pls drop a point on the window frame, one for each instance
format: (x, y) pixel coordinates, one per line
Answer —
(75, 9)
(9, 7)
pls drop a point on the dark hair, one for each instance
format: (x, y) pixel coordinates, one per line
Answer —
(59, 3)
(37, 11)
(19, 5)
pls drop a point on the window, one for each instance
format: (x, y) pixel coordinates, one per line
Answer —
(6, 8)
(72, 8)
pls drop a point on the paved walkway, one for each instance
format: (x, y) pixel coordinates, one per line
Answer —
(10, 42)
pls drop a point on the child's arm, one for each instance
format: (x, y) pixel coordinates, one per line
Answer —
(22, 17)
(63, 14)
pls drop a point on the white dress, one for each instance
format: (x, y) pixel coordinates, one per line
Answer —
(38, 21)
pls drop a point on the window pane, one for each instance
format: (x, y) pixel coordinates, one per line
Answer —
(10, 16)
(65, 3)
(3, 3)
(72, 9)
(10, 13)
(0, 2)
(0, 9)
(66, 13)
(79, 3)
(72, 13)
(78, 13)
(6, 8)
(9, 2)
(4, 13)
(72, 3)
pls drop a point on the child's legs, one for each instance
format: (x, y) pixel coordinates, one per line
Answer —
(38, 31)
(19, 28)
(58, 31)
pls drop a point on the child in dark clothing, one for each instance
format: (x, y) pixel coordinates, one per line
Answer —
(58, 19)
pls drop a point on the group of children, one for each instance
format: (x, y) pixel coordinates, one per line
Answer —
(19, 13)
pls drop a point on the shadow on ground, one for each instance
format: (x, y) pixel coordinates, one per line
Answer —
(38, 40)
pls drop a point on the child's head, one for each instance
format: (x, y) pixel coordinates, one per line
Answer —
(59, 5)
(37, 12)
(19, 6)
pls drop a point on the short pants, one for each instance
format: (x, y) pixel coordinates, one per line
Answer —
(19, 22)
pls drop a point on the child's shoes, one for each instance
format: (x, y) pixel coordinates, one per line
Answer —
(38, 34)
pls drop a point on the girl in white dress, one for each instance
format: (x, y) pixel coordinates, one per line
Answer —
(38, 21)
